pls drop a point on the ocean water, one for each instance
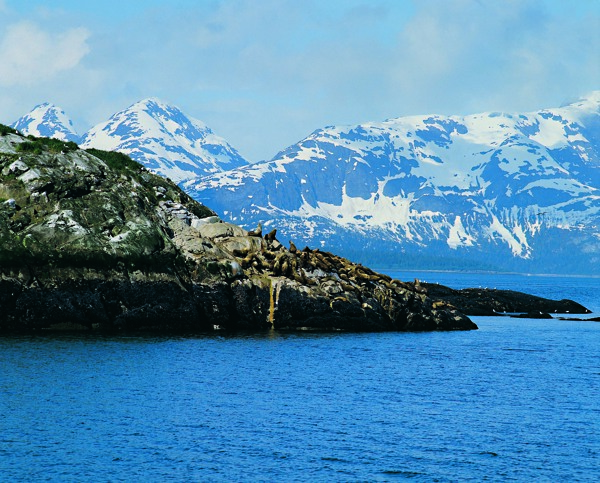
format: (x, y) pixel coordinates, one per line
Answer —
(517, 400)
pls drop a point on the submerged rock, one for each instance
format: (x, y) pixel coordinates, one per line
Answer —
(93, 241)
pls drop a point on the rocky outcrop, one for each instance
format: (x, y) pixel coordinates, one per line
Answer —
(93, 241)
(483, 301)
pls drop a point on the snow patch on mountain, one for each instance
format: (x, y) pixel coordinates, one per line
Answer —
(458, 236)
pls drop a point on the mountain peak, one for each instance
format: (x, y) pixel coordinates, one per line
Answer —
(165, 114)
(163, 138)
(152, 100)
(47, 120)
(590, 101)
(151, 103)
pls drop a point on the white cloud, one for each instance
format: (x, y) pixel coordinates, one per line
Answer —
(32, 56)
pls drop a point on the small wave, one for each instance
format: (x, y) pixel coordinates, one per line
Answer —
(333, 458)
(489, 453)
(406, 473)
(522, 350)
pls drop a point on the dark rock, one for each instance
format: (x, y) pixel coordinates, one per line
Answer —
(580, 319)
(532, 315)
(478, 301)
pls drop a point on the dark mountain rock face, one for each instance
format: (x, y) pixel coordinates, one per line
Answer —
(90, 240)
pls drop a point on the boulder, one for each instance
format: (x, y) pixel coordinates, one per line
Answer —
(220, 230)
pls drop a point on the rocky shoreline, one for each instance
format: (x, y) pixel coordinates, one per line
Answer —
(493, 302)
(92, 241)
(73, 299)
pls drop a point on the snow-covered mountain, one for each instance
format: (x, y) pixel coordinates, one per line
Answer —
(493, 190)
(47, 120)
(164, 139)
(155, 134)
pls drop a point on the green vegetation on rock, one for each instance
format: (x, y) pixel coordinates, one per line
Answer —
(39, 145)
(117, 161)
(4, 130)
(76, 208)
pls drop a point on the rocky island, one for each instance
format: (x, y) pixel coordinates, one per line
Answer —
(91, 240)
(493, 302)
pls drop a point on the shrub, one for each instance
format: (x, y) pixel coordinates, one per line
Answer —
(115, 160)
(4, 130)
(37, 145)
(29, 147)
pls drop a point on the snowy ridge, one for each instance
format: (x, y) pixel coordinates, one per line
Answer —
(507, 189)
(47, 120)
(164, 139)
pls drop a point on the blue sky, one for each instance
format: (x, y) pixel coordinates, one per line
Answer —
(265, 73)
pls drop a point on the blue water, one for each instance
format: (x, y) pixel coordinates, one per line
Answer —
(518, 400)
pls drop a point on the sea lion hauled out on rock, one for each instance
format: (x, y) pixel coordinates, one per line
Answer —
(257, 231)
(270, 237)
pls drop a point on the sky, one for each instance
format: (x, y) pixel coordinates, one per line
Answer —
(264, 74)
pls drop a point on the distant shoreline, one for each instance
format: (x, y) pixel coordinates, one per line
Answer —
(485, 272)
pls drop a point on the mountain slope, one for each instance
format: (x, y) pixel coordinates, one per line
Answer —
(164, 139)
(493, 190)
(47, 120)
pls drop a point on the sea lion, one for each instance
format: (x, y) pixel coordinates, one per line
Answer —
(293, 248)
(271, 235)
(241, 252)
(247, 260)
(347, 287)
(418, 287)
(299, 277)
(257, 232)
(323, 260)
